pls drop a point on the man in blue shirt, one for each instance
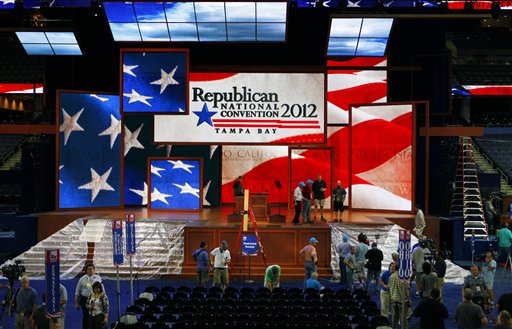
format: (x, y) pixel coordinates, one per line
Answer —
(200, 255)
(312, 282)
(385, 297)
(26, 303)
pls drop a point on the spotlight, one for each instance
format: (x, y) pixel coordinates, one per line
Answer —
(468, 6)
(495, 9)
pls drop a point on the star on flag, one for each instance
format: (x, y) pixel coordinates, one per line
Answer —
(156, 195)
(156, 170)
(136, 97)
(178, 164)
(113, 130)
(166, 79)
(142, 193)
(187, 189)
(130, 139)
(128, 69)
(97, 183)
(70, 124)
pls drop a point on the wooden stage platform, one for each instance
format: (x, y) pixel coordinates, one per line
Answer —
(282, 241)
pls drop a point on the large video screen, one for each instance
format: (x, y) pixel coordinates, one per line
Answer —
(354, 86)
(249, 108)
(89, 150)
(175, 184)
(382, 157)
(260, 166)
(154, 81)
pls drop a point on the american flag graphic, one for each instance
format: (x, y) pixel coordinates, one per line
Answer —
(489, 90)
(89, 150)
(175, 184)
(378, 173)
(21, 88)
(136, 189)
(154, 81)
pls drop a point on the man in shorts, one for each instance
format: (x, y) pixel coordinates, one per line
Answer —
(220, 257)
(338, 195)
(319, 188)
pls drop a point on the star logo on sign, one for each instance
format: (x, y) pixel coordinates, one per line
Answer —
(136, 97)
(128, 69)
(204, 116)
(113, 130)
(97, 183)
(180, 165)
(142, 193)
(166, 79)
(70, 124)
(156, 195)
(187, 189)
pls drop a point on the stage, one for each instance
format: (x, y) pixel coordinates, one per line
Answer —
(281, 241)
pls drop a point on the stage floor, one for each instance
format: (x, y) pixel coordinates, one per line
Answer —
(217, 216)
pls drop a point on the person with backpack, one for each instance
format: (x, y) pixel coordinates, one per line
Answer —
(200, 255)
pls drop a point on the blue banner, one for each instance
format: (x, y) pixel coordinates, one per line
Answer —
(130, 234)
(117, 241)
(404, 255)
(52, 267)
(249, 245)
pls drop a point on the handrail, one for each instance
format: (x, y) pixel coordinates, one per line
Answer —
(15, 150)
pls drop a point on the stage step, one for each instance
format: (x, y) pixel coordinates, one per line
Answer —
(160, 247)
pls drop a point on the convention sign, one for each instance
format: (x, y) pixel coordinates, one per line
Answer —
(52, 269)
(249, 108)
(130, 235)
(249, 245)
(117, 241)
(404, 255)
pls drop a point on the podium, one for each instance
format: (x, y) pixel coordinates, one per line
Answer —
(239, 205)
(238, 208)
(259, 205)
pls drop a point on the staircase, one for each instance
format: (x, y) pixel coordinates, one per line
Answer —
(13, 162)
(487, 167)
(160, 246)
(466, 197)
